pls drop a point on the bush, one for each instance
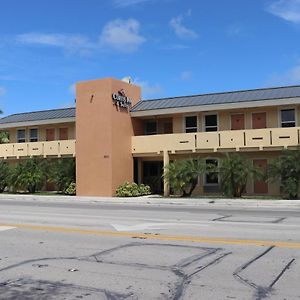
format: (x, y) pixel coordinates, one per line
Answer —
(71, 190)
(128, 189)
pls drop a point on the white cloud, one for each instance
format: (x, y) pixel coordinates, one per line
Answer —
(181, 30)
(290, 77)
(175, 47)
(122, 35)
(54, 40)
(72, 89)
(126, 3)
(2, 91)
(288, 10)
(186, 75)
(67, 104)
(233, 30)
(148, 90)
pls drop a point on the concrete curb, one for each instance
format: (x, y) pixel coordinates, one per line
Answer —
(158, 201)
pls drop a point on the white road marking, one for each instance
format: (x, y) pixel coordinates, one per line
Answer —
(144, 226)
(3, 228)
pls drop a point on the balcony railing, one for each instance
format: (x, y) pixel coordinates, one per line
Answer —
(259, 139)
(44, 149)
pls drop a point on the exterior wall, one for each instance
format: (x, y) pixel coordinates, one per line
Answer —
(177, 123)
(42, 131)
(224, 118)
(273, 187)
(103, 135)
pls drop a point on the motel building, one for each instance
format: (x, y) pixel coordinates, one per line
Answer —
(117, 137)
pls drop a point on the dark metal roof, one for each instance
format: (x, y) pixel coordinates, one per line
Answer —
(219, 98)
(40, 115)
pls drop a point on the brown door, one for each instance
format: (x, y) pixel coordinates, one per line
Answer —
(259, 120)
(50, 134)
(63, 133)
(168, 127)
(260, 186)
(237, 122)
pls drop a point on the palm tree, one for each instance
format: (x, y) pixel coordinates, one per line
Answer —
(4, 137)
(286, 169)
(235, 171)
(63, 173)
(182, 175)
(29, 175)
(4, 174)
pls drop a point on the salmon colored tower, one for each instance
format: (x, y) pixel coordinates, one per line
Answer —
(103, 135)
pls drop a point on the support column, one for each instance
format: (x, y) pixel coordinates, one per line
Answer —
(140, 170)
(166, 185)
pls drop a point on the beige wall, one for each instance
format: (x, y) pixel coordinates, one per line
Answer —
(224, 118)
(273, 187)
(103, 137)
(42, 131)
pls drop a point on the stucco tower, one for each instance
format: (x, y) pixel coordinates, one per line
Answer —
(103, 135)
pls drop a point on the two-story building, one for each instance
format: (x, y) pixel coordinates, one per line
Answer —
(120, 137)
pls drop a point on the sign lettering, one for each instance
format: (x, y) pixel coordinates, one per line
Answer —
(121, 100)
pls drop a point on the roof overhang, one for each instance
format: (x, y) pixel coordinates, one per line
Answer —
(215, 107)
(37, 123)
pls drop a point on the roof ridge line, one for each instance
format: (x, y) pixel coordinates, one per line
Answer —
(220, 93)
(37, 111)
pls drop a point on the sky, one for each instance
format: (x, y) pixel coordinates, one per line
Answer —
(168, 47)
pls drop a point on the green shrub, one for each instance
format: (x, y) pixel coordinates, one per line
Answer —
(71, 190)
(128, 189)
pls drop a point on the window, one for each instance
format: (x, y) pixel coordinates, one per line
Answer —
(211, 177)
(211, 123)
(150, 127)
(288, 118)
(33, 135)
(21, 135)
(191, 124)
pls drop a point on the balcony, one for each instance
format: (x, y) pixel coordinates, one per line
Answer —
(234, 140)
(43, 149)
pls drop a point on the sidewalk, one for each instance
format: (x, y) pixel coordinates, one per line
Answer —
(159, 201)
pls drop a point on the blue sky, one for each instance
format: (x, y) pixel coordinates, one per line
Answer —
(169, 47)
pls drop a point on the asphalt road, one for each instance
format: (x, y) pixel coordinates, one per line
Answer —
(75, 250)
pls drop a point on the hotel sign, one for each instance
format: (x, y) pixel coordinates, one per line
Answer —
(121, 100)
